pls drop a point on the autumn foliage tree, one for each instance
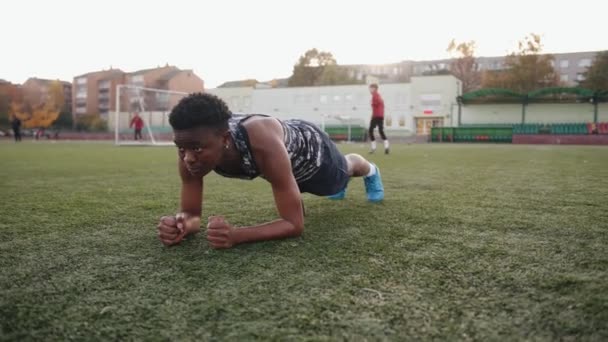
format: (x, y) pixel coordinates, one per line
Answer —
(9, 93)
(464, 65)
(40, 115)
(525, 70)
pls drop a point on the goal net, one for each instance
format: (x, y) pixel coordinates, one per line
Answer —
(144, 108)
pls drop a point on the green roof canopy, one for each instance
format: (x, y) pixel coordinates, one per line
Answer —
(499, 95)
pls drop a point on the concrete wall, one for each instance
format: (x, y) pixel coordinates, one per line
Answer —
(602, 115)
(238, 99)
(332, 104)
(535, 113)
(155, 119)
(403, 101)
(559, 113)
(434, 96)
(490, 114)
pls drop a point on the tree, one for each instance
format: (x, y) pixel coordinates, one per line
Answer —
(596, 75)
(318, 68)
(464, 65)
(526, 70)
(41, 116)
(335, 75)
(9, 93)
(56, 98)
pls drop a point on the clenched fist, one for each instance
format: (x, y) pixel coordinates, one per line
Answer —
(173, 229)
(220, 233)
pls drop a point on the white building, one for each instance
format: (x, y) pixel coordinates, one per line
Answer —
(409, 107)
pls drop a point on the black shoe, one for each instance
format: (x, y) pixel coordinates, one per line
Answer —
(386, 150)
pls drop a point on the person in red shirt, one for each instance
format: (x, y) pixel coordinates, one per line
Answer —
(377, 118)
(138, 124)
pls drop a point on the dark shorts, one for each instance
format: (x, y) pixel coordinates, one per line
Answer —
(332, 176)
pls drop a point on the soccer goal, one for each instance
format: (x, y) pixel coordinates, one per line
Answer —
(147, 108)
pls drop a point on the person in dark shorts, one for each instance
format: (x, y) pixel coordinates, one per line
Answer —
(16, 125)
(294, 156)
(377, 118)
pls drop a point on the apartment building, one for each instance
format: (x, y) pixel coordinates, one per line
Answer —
(169, 78)
(95, 92)
(570, 66)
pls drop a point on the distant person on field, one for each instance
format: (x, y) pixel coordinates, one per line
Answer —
(16, 125)
(294, 156)
(137, 123)
(377, 118)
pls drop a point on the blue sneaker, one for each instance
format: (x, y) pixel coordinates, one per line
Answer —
(374, 187)
(339, 196)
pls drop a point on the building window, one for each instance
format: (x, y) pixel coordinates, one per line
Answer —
(81, 110)
(81, 80)
(81, 93)
(348, 97)
(564, 78)
(337, 98)
(137, 79)
(323, 99)
(580, 77)
(552, 62)
(585, 62)
(395, 71)
(104, 84)
(564, 64)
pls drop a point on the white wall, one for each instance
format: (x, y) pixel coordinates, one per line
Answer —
(602, 112)
(317, 104)
(238, 99)
(535, 113)
(437, 94)
(155, 119)
(490, 114)
(559, 113)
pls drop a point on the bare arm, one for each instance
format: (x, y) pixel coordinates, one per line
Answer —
(273, 162)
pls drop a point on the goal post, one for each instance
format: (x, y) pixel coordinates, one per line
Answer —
(152, 106)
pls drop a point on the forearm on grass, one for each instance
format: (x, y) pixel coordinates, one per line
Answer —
(279, 229)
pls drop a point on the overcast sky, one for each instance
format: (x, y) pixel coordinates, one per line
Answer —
(226, 40)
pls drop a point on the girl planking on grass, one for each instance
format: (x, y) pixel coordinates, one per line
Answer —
(294, 156)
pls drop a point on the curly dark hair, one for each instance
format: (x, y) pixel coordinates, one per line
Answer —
(200, 109)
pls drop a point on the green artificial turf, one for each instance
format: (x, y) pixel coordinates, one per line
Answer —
(472, 242)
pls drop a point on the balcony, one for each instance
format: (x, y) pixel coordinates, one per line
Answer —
(104, 107)
(103, 85)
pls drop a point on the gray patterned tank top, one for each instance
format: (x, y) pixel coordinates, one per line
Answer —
(303, 141)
